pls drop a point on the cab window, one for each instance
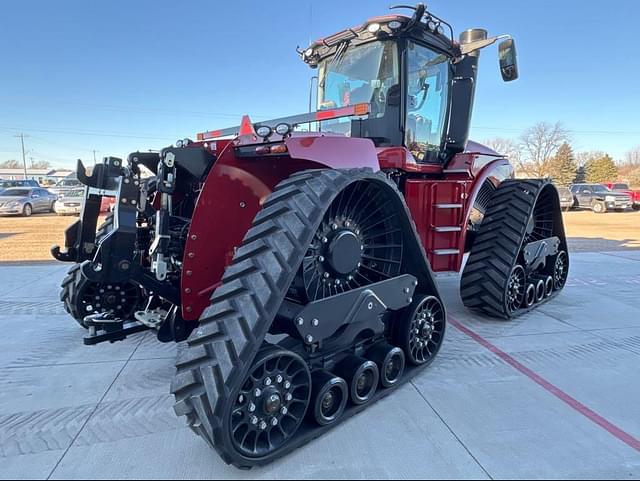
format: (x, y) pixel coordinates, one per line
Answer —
(427, 102)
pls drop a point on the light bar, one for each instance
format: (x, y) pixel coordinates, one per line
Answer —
(349, 111)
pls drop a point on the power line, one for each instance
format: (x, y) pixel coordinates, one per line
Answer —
(582, 132)
(98, 133)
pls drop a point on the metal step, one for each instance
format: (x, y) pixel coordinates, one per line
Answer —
(443, 228)
(446, 252)
(448, 206)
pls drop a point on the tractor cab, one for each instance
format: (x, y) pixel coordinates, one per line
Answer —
(418, 81)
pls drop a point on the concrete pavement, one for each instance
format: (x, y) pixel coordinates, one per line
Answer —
(554, 394)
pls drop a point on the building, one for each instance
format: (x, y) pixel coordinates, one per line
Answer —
(43, 176)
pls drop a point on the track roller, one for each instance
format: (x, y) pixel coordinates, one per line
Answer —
(541, 289)
(330, 395)
(530, 295)
(362, 377)
(390, 361)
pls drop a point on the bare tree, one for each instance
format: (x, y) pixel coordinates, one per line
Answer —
(10, 164)
(540, 143)
(633, 157)
(584, 157)
(506, 147)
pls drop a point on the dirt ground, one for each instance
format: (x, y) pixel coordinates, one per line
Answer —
(29, 239)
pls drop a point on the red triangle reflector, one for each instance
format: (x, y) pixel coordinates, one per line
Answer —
(246, 127)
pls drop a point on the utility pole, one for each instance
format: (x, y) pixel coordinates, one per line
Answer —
(24, 157)
(94, 157)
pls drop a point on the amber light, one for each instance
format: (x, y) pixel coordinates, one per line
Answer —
(279, 149)
(361, 109)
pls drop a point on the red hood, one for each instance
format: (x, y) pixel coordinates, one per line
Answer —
(479, 149)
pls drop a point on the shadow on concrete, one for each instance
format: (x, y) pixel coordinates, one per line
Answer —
(6, 235)
(600, 244)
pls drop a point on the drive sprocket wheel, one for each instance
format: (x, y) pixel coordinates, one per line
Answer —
(420, 329)
(271, 405)
(81, 297)
(359, 242)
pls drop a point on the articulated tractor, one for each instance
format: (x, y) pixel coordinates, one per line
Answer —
(296, 257)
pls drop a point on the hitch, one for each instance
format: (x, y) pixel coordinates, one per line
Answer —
(104, 327)
(80, 237)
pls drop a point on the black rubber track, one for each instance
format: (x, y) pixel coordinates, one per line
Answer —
(71, 282)
(67, 295)
(232, 329)
(498, 245)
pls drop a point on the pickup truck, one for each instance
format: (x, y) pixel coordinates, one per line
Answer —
(599, 198)
(624, 188)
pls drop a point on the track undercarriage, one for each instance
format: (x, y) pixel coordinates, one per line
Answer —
(351, 291)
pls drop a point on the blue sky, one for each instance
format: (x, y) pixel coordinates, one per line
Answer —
(119, 76)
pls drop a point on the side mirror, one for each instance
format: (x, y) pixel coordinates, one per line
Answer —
(508, 60)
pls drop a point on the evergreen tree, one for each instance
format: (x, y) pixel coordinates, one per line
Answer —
(562, 167)
(602, 169)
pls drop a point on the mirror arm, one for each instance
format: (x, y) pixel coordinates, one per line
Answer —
(468, 48)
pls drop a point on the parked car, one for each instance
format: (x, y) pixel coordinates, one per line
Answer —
(624, 188)
(7, 184)
(108, 204)
(599, 198)
(26, 201)
(65, 185)
(70, 203)
(566, 198)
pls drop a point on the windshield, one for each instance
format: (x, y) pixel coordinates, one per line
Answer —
(601, 189)
(361, 74)
(620, 187)
(15, 193)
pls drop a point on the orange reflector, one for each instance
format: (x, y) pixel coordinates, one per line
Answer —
(361, 109)
(246, 128)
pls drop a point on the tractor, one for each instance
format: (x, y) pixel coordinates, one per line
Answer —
(297, 257)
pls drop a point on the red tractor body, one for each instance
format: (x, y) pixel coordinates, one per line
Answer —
(440, 199)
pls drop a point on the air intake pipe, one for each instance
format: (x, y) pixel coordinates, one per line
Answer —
(462, 94)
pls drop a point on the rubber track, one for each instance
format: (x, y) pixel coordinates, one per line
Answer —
(232, 329)
(497, 246)
(73, 279)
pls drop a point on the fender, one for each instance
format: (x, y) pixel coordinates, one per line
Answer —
(233, 194)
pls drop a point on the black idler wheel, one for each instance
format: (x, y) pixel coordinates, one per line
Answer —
(560, 270)
(420, 329)
(516, 289)
(390, 361)
(330, 395)
(362, 377)
(271, 405)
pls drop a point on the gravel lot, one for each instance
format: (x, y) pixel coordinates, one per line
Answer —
(29, 239)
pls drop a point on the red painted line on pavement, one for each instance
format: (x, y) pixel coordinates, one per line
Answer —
(594, 417)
